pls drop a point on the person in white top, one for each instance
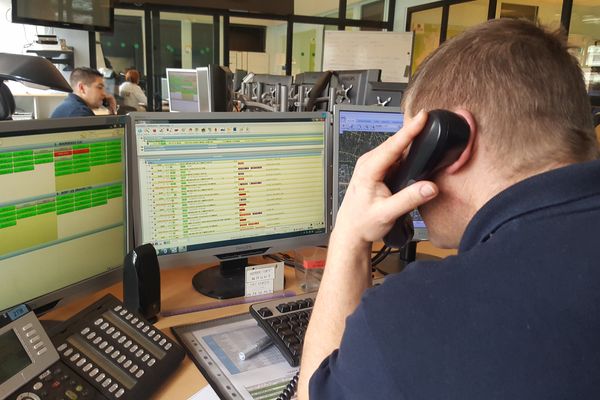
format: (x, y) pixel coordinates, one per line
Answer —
(131, 92)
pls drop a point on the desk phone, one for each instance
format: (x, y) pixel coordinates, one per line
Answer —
(105, 352)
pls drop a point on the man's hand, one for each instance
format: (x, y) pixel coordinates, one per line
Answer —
(367, 214)
(111, 104)
(369, 210)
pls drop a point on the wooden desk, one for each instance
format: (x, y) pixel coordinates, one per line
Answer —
(177, 292)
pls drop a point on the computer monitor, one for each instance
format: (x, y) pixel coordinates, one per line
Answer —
(358, 129)
(225, 186)
(182, 85)
(352, 85)
(387, 94)
(307, 78)
(238, 76)
(63, 220)
(220, 88)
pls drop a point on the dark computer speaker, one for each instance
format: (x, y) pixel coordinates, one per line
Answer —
(141, 281)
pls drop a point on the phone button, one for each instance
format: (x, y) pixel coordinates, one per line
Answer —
(119, 393)
(28, 396)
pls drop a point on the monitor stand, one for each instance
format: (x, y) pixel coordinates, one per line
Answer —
(223, 281)
(396, 262)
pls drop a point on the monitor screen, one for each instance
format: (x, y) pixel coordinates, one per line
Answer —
(357, 130)
(225, 186)
(92, 15)
(182, 85)
(63, 221)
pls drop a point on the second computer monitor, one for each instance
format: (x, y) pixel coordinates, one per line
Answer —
(183, 90)
(358, 129)
(225, 186)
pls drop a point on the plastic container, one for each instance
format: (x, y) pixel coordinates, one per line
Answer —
(310, 262)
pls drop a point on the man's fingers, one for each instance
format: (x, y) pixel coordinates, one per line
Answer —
(408, 199)
(390, 151)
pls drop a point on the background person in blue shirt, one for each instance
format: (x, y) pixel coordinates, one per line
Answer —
(516, 313)
(88, 94)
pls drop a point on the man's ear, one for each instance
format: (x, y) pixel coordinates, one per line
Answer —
(468, 151)
(81, 87)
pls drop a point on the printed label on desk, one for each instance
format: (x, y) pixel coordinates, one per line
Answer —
(264, 279)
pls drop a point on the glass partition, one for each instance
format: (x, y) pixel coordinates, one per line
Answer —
(426, 25)
(464, 15)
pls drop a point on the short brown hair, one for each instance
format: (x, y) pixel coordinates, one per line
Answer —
(85, 75)
(524, 89)
(132, 76)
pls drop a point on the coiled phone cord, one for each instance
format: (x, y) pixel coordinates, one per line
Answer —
(290, 389)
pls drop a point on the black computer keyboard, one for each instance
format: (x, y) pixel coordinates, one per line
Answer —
(285, 321)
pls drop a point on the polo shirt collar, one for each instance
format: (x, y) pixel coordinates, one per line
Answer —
(541, 191)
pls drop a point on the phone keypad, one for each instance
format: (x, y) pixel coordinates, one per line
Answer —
(122, 355)
(57, 382)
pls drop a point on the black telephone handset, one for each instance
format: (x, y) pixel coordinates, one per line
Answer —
(439, 144)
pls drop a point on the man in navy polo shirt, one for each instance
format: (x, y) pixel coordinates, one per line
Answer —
(88, 94)
(516, 313)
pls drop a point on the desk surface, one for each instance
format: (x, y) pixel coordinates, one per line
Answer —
(177, 292)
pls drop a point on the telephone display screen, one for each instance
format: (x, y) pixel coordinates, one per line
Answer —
(13, 355)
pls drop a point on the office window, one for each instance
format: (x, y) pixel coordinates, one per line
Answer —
(170, 45)
(124, 47)
(186, 40)
(426, 25)
(321, 8)
(268, 55)
(202, 41)
(584, 36)
(545, 13)
(464, 15)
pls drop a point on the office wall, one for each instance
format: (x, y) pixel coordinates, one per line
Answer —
(19, 37)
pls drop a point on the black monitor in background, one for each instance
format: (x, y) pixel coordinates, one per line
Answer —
(238, 76)
(307, 78)
(358, 129)
(63, 221)
(91, 15)
(223, 187)
(387, 94)
(273, 80)
(351, 85)
(220, 88)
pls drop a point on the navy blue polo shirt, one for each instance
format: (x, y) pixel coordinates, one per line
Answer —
(515, 315)
(72, 106)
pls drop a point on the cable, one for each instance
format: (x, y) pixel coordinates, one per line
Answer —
(290, 389)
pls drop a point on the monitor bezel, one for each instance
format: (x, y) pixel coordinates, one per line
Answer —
(175, 70)
(204, 88)
(92, 284)
(239, 251)
(420, 233)
(16, 18)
